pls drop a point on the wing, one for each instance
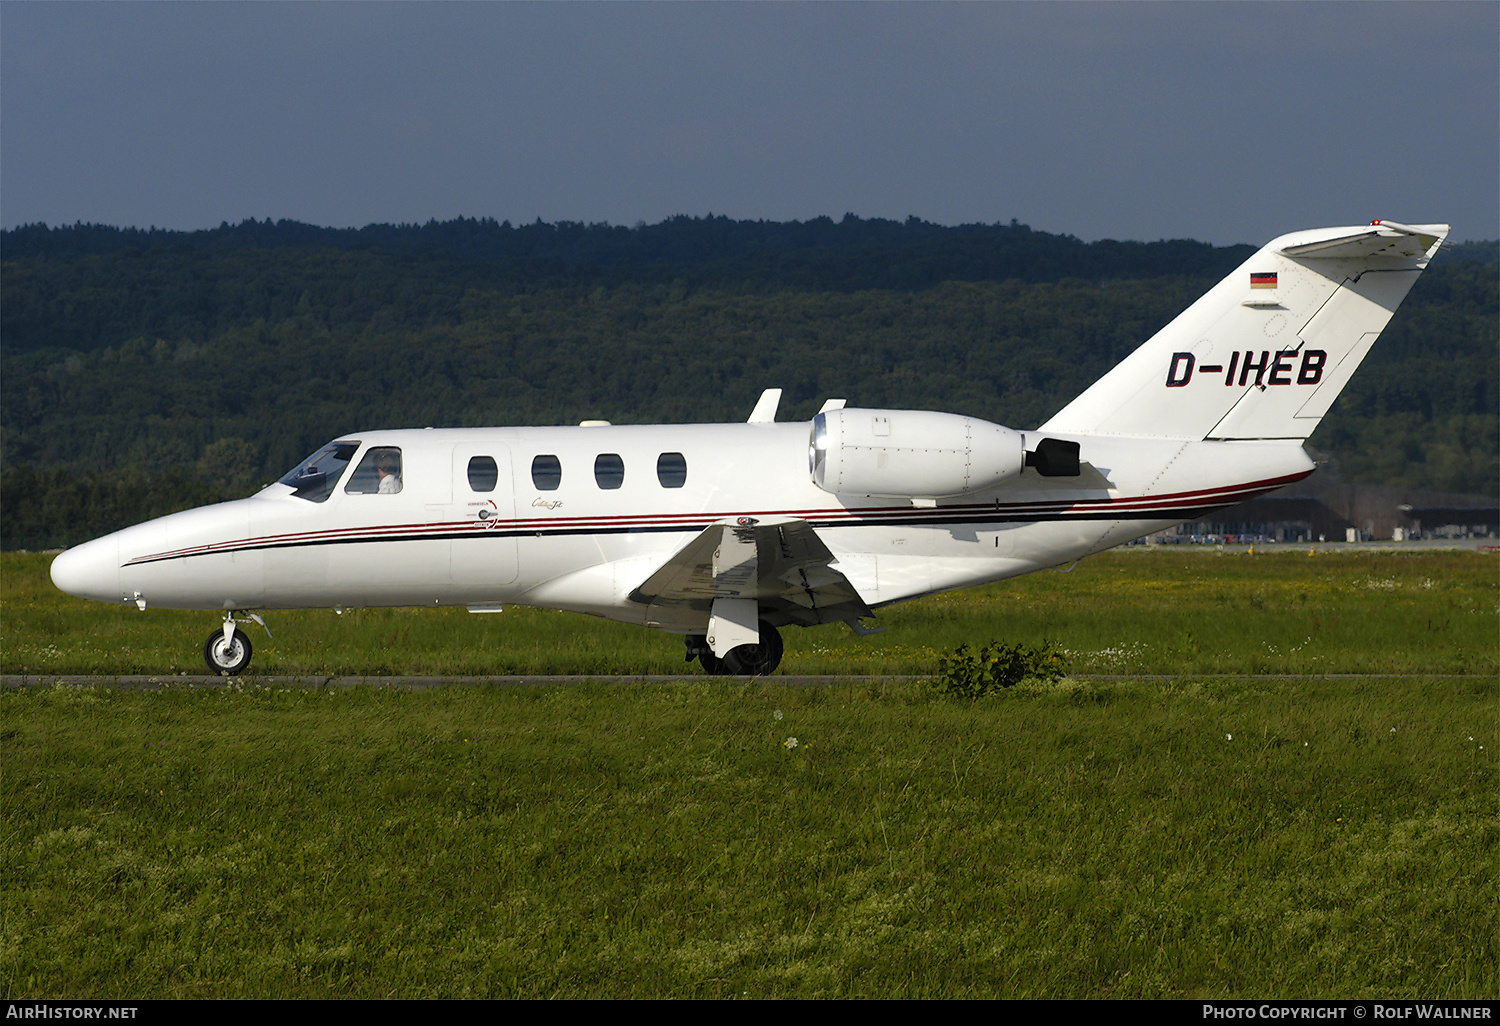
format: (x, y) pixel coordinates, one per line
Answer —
(779, 562)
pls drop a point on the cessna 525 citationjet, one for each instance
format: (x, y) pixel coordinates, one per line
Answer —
(726, 532)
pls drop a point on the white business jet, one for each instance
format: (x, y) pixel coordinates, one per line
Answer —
(726, 532)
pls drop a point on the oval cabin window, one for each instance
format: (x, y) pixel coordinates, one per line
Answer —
(546, 473)
(483, 473)
(609, 470)
(671, 470)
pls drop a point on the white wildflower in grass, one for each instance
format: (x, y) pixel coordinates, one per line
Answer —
(1228, 737)
(790, 742)
(777, 714)
(1117, 656)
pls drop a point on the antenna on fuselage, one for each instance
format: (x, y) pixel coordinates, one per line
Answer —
(765, 409)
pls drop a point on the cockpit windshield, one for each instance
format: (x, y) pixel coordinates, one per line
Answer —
(315, 477)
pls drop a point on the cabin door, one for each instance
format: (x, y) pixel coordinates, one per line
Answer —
(484, 547)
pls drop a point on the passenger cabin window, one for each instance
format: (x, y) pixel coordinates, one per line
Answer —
(546, 473)
(609, 470)
(379, 473)
(316, 477)
(483, 473)
(671, 470)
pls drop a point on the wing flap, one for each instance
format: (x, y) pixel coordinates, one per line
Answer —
(781, 563)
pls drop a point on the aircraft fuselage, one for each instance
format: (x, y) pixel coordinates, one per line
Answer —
(585, 541)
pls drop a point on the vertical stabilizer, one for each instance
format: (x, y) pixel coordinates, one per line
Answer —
(1263, 354)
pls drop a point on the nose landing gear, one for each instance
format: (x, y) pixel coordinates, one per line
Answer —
(229, 656)
(227, 650)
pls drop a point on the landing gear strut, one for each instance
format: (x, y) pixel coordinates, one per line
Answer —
(743, 661)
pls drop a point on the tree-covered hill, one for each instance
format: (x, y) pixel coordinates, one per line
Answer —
(821, 254)
(205, 363)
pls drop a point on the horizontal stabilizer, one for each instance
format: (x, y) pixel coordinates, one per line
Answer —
(1384, 240)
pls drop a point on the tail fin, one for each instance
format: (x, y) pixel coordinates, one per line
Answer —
(1265, 352)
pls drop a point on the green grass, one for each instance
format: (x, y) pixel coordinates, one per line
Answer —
(1133, 839)
(1193, 836)
(1159, 611)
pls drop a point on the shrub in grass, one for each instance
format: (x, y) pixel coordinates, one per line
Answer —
(969, 674)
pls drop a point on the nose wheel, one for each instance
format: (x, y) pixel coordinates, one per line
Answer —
(227, 657)
(227, 650)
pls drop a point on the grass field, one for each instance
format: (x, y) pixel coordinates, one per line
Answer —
(1196, 836)
(1148, 612)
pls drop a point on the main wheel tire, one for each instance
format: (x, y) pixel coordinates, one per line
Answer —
(755, 660)
(712, 664)
(227, 658)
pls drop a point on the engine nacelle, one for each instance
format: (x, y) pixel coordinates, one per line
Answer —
(910, 454)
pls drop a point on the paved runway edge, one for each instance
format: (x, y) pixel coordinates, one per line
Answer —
(40, 680)
(313, 682)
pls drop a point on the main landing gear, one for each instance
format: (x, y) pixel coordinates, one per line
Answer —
(745, 660)
(227, 650)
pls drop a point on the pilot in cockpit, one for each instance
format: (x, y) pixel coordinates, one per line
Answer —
(388, 467)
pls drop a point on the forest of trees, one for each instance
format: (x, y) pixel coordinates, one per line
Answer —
(143, 371)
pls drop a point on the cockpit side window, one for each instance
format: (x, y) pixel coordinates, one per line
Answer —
(379, 473)
(315, 477)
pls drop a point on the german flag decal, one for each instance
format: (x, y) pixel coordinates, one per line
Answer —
(1262, 281)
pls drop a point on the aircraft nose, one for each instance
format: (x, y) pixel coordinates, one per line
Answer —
(90, 570)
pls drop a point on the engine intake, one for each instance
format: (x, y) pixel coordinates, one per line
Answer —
(910, 453)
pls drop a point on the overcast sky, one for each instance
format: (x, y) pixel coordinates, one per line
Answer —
(1225, 122)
